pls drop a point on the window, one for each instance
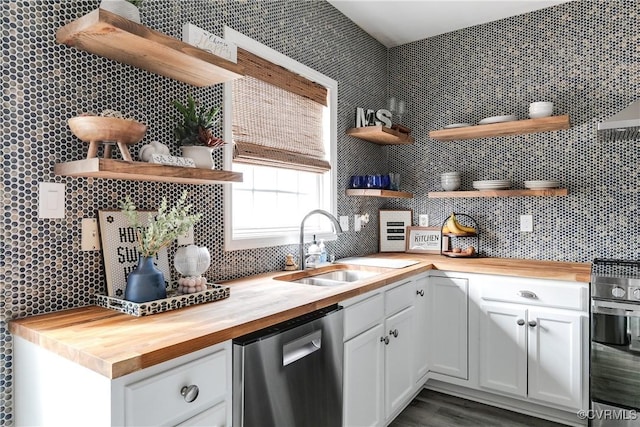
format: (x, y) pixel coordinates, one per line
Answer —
(267, 207)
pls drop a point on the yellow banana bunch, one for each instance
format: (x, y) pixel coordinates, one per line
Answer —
(454, 227)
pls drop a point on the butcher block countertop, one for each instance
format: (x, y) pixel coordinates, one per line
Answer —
(115, 344)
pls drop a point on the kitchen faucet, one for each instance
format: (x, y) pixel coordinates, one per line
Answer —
(336, 226)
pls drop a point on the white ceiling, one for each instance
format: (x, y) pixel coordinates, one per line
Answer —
(396, 22)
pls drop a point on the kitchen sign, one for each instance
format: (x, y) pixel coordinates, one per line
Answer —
(423, 240)
(119, 249)
(393, 229)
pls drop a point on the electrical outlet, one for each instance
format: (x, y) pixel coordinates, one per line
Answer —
(90, 239)
(356, 222)
(344, 222)
(186, 238)
(526, 223)
(424, 220)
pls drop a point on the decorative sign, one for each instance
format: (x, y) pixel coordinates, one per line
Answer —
(369, 118)
(423, 240)
(393, 229)
(119, 249)
(164, 159)
(210, 42)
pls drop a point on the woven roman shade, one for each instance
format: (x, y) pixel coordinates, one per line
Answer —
(277, 117)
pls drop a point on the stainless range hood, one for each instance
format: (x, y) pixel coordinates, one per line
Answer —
(623, 126)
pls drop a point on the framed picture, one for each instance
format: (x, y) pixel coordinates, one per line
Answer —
(423, 240)
(393, 229)
(119, 249)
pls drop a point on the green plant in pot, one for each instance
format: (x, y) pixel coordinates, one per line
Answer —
(194, 132)
(146, 282)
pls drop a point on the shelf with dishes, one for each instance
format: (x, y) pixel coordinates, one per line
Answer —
(501, 188)
(373, 192)
(500, 126)
(97, 167)
(381, 135)
(109, 35)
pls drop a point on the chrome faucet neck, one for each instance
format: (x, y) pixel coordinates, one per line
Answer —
(334, 221)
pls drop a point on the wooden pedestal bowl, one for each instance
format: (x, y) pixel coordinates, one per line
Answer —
(98, 130)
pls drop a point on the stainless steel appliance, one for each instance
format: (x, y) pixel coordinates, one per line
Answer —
(290, 374)
(624, 125)
(615, 343)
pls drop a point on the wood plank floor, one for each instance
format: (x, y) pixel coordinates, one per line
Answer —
(433, 409)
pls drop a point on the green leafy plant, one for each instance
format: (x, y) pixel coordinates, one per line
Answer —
(136, 3)
(164, 229)
(196, 124)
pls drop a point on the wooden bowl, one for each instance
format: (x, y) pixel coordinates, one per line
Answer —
(107, 129)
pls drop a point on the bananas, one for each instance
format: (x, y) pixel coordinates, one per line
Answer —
(452, 226)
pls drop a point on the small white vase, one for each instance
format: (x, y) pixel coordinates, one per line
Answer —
(202, 156)
(122, 8)
(192, 260)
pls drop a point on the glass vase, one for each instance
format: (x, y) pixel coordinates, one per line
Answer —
(145, 283)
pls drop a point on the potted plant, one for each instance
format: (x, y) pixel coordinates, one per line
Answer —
(126, 8)
(146, 282)
(194, 132)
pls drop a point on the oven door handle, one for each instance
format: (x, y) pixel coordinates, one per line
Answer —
(615, 308)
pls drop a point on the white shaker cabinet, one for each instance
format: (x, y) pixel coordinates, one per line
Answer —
(532, 341)
(194, 389)
(420, 330)
(448, 326)
(378, 378)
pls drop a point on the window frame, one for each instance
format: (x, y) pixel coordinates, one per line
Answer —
(276, 57)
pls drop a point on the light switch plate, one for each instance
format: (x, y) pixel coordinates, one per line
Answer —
(423, 220)
(51, 200)
(344, 223)
(90, 235)
(186, 238)
(356, 222)
(526, 223)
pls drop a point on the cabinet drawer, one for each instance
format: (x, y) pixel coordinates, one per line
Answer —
(363, 315)
(399, 297)
(157, 400)
(568, 295)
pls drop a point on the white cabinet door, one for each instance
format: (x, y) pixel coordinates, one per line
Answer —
(212, 417)
(363, 374)
(420, 329)
(399, 377)
(448, 326)
(503, 351)
(555, 357)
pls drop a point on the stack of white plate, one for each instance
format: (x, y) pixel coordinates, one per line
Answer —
(540, 184)
(492, 184)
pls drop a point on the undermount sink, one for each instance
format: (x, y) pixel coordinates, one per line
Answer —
(330, 278)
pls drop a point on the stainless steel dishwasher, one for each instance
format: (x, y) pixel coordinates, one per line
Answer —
(290, 374)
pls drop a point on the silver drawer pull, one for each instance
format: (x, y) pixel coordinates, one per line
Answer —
(385, 340)
(532, 323)
(190, 393)
(520, 322)
(527, 294)
(420, 292)
(394, 332)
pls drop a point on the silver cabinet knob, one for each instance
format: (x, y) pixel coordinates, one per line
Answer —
(520, 322)
(532, 323)
(420, 292)
(190, 393)
(385, 340)
(394, 332)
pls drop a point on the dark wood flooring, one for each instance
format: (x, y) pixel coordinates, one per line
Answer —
(433, 409)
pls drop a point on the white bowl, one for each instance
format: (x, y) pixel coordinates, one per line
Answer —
(539, 115)
(450, 186)
(450, 174)
(541, 104)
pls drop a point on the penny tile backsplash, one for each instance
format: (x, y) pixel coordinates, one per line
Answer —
(583, 56)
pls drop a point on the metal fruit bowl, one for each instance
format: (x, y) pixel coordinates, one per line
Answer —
(107, 129)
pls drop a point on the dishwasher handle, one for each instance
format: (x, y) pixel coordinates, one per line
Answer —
(301, 347)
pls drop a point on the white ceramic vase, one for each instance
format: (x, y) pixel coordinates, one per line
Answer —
(192, 260)
(202, 156)
(122, 8)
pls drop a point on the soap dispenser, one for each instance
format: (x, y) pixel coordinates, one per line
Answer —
(313, 254)
(323, 251)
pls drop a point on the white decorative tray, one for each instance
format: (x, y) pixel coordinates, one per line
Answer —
(172, 302)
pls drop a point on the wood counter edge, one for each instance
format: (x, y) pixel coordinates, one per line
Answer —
(114, 367)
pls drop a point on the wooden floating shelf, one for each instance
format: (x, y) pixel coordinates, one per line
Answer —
(378, 193)
(143, 171)
(381, 135)
(517, 127)
(106, 34)
(547, 192)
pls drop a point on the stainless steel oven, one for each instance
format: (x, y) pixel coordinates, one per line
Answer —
(615, 343)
